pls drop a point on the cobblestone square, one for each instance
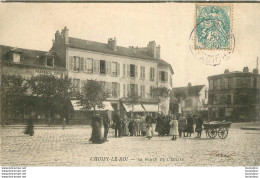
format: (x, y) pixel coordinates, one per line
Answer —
(70, 147)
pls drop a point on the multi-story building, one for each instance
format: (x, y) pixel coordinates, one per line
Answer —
(195, 98)
(28, 62)
(120, 69)
(234, 95)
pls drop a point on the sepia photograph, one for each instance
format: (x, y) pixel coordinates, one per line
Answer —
(129, 84)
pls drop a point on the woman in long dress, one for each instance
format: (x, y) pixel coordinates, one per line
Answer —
(171, 127)
(96, 136)
(149, 127)
(175, 129)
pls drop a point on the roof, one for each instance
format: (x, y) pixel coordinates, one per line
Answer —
(103, 47)
(190, 90)
(232, 74)
(121, 51)
(28, 57)
(164, 63)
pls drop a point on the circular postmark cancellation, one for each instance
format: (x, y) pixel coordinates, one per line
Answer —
(211, 41)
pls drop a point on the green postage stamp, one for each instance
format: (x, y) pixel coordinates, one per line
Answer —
(213, 26)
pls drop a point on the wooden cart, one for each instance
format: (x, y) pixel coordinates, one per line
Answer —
(215, 128)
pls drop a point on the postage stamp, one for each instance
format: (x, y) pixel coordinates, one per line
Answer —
(212, 41)
(213, 26)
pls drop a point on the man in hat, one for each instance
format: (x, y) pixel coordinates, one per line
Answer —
(106, 122)
(118, 125)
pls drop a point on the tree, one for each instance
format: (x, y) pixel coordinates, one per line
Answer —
(93, 95)
(13, 94)
(132, 99)
(52, 93)
(160, 93)
(179, 95)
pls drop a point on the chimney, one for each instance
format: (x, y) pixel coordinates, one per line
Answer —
(151, 48)
(65, 35)
(245, 69)
(57, 35)
(226, 71)
(189, 84)
(255, 72)
(112, 43)
(158, 52)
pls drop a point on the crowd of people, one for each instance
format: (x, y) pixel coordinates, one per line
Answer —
(142, 125)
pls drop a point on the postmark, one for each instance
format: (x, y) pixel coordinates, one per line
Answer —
(211, 41)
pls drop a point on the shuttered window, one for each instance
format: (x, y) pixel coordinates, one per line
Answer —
(124, 70)
(89, 65)
(142, 72)
(124, 91)
(152, 74)
(108, 67)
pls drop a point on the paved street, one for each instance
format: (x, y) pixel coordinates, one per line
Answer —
(70, 147)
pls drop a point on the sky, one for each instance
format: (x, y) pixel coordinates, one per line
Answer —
(33, 25)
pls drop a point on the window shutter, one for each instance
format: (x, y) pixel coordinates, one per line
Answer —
(144, 91)
(150, 73)
(136, 89)
(118, 69)
(128, 89)
(85, 64)
(136, 71)
(141, 72)
(81, 62)
(124, 90)
(110, 86)
(160, 76)
(144, 72)
(118, 89)
(108, 67)
(94, 66)
(166, 76)
(128, 70)
(124, 70)
(98, 66)
(71, 63)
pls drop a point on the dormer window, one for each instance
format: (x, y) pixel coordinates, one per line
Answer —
(16, 57)
(50, 62)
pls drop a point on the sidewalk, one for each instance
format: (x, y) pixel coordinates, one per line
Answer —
(247, 125)
(45, 126)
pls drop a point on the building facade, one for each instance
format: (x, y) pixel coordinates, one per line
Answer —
(234, 95)
(118, 68)
(28, 63)
(195, 98)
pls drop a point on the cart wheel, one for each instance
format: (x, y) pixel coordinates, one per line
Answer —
(212, 133)
(222, 133)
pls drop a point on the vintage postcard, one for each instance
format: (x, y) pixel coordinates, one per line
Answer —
(129, 84)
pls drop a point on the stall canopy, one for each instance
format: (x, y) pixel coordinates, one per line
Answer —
(137, 108)
(151, 107)
(78, 107)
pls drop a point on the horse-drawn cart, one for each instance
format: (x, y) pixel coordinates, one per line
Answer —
(215, 128)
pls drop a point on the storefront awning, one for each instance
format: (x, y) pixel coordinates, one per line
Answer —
(107, 106)
(151, 107)
(78, 107)
(137, 108)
